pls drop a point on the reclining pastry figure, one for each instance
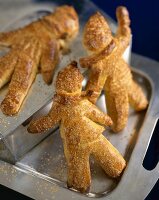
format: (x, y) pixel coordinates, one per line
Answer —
(108, 70)
(80, 131)
(37, 44)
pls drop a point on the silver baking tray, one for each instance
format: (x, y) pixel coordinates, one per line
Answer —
(34, 165)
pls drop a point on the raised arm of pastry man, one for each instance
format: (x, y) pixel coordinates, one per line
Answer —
(123, 33)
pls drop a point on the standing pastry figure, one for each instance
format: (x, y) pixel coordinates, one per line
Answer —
(108, 70)
(80, 130)
(37, 44)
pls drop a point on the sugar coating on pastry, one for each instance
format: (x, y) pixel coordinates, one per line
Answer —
(37, 45)
(107, 69)
(81, 128)
(97, 33)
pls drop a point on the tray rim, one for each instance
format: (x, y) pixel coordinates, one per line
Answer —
(147, 178)
(122, 191)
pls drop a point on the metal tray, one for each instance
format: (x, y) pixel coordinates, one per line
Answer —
(13, 135)
(40, 94)
(35, 165)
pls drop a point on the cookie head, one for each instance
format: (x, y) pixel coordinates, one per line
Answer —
(97, 34)
(69, 80)
(64, 22)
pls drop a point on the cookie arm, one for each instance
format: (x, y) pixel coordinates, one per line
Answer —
(123, 32)
(87, 62)
(49, 60)
(98, 116)
(23, 76)
(45, 122)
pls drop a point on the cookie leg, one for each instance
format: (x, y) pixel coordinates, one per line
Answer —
(117, 107)
(78, 169)
(7, 65)
(49, 60)
(108, 157)
(137, 98)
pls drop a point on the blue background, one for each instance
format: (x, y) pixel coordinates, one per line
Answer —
(144, 16)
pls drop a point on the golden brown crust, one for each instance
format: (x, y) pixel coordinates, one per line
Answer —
(111, 72)
(7, 65)
(97, 34)
(49, 60)
(46, 122)
(62, 24)
(118, 107)
(23, 76)
(123, 21)
(136, 97)
(81, 128)
(107, 156)
(123, 33)
(73, 77)
(93, 59)
(64, 21)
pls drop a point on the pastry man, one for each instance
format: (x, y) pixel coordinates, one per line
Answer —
(35, 46)
(108, 70)
(81, 128)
